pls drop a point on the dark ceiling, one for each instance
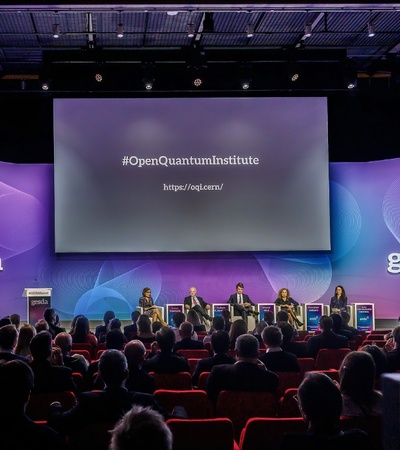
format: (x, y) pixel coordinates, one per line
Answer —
(155, 45)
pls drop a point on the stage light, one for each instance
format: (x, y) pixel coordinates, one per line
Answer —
(190, 30)
(246, 84)
(120, 30)
(307, 31)
(98, 77)
(148, 83)
(45, 85)
(371, 29)
(197, 82)
(56, 31)
(249, 30)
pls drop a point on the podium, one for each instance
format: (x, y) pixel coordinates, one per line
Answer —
(37, 300)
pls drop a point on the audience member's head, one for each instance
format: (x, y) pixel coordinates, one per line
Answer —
(166, 339)
(325, 323)
(113, 368)
(287, 332)
(25, 335)
(226, 314)
(5, 321)
(49, 315)
(238, 328)
(220, 341)
(8, 337)
(15, 320)
(186, 330)
(272, 336)
(260, 328)
(108, 315)
(337, 321)
(282, 316)
(64, 341)
(268, 317)
(379, 357)
(115, 339)
(247, 347)
(320, 401)
(135, 352)
(345, 317)
(144, 324)
(135, 315)
(115, 323)
(218, 323)
(73, 322)
(41, 346)
(357, 375)
(178, 318)
(141, 429)
(155, 326)
(16, 383)
(81, 330)
(41, 325)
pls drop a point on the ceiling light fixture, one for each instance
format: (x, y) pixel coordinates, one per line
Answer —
(307, 31)
(190, 30)
(371, 29)
(120, 30)
(56, 30)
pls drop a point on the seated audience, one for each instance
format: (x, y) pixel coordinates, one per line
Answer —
(217, 323)
(82, 333)
(100, 330)
(8, 341)
(393, 356)
(73, 323)
(41, 325)
(138, 379)
(220, 346)
(130, 330)
(239, 327)
(186, 342)
(288, 344)
(247, 374)
(17, 430)
(337, 326)
(15, 319)
(76, 362)
(268, 317)
(226, 314)
(357, 380)
(5, 321)
(326, 339)
(26, 333)
(155, 326)
(141, 429)
(49, 377)
(320, 404)
(162, 359)
(50, 316)
(258, 330)
(116, 323)
(379, 356)
(345, 323)
(144, 332)
(275, 358)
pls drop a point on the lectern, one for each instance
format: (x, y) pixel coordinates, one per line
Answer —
(37, 300)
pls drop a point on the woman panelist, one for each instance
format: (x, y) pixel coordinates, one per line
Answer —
(286, 302)
(149, 308)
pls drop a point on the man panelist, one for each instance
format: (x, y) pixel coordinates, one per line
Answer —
(192, 301)
(242, 303)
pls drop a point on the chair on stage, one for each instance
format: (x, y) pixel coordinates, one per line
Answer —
(201, 434)
(181, 381)
(196, 402)
(266, 433)
(239, 406)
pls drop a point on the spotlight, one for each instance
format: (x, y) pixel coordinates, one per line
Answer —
(249, 30)
(148, 83)
(56, 31)
(120, 30)
(208, 23)
(307, 31)
(246, 84)
(45, 86)
(98, 77)
(190, 30)
(371, 29)
(350, 77)
(197, 82)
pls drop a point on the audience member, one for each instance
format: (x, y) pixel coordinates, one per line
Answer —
(217, 323)
(5, 321)
(238, 328)
(393, 356)
(116, 323)
(106, 405)
(82, 334)
(16, 320)
(161, 359)
(380, 359)
(25, 335)
(258, 330)
(275, 358)
(130, 330)
(49, 377)
(247, 374)
(220, 345)
(144, 332)
(101, 329)
(138, 379)
(50, 316)
(73, 323)
(17, 430)
(357, 380)
(268, 317)
(226, 314)
(178, 318)
(41, 325)
(141, 429)
(76, 362)
(345, 323)
(320, 403)
(288, 344)
(326, 339)
(194, 319)
(282, 316)
(8, 341)
(193, 301)
(155, 326)
(337, 326)
(186, 342)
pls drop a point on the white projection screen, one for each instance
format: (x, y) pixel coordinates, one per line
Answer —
(191, 174)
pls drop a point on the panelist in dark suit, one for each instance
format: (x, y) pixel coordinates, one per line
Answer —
(197, 303)
(242, 303)
(339, 300)
(326, 339)
(247, 374)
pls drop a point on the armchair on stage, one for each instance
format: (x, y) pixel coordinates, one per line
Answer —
(294, 313)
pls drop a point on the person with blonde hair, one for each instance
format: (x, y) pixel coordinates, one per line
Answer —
(26, 333)
(289, 304)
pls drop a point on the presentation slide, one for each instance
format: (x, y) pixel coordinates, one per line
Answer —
(191, 175)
